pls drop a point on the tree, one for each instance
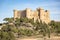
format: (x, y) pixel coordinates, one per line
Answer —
(57, 27)
(25, 32)
(17, 22)
(42, 28)
(6, 35)
(9, 20)
(52, 24)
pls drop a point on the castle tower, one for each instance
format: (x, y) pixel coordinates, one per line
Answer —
(41, 14)
(22, 13)
(16, 14)
(47, 17)
(28, 13)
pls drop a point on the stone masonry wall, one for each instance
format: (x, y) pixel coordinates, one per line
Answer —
(38, 14)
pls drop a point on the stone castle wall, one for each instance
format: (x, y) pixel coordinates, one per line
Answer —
(38, 14)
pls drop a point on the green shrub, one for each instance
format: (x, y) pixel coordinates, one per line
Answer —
(26, 32)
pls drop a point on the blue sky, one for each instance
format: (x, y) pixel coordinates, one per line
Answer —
(7, 7)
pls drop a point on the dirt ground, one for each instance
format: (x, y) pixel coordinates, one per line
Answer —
(52, 38)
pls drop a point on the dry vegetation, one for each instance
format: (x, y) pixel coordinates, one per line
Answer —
(23, 27)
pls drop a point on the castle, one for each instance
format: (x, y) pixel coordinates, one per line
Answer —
(38, 14)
